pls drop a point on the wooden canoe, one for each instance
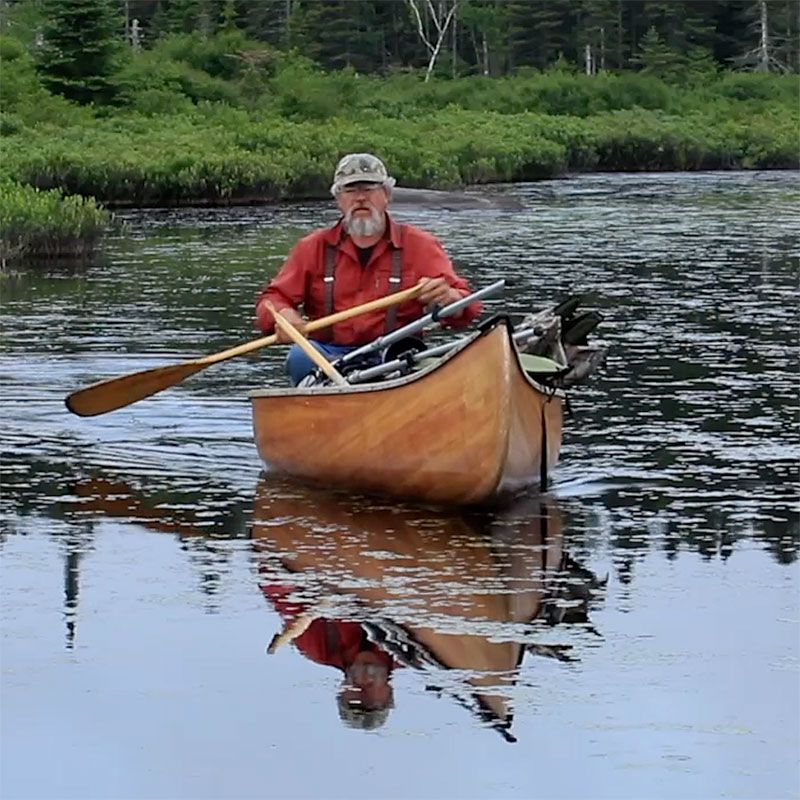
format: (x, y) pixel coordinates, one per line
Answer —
(470, 428)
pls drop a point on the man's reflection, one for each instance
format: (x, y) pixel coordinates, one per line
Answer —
(365, 695)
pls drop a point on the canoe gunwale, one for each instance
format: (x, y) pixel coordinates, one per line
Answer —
(404, 380)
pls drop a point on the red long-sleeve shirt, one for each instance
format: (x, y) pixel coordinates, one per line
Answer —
(300, 280)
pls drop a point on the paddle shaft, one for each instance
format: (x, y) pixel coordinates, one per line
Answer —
(306, 346)
(114, 393)
(417, 325)
(315, 324)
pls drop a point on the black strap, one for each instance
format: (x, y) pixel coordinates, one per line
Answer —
(543, 461)
(395, 279)
(330, 269)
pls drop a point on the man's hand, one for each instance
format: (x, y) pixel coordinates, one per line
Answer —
(296, 320)
(437, 291)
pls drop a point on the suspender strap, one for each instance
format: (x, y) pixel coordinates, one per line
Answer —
(330, 269)
(395, 279)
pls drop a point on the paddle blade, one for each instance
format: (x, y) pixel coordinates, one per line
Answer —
(114, 393)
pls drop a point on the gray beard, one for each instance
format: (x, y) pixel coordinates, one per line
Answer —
(374, 225)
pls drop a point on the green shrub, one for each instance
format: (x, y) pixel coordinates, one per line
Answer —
(10, 124)
(146, 72)
(47, 223)
(10, 49)
(217, 55)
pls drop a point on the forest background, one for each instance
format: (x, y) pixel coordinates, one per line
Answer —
(163, 102)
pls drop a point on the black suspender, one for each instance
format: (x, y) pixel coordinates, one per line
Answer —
(395, 279)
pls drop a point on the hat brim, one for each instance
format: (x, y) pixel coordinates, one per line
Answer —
(362, 177)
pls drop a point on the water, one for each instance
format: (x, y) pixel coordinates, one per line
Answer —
(635, 630)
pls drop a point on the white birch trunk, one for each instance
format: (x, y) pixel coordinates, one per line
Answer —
(763, 45)
(441, 22)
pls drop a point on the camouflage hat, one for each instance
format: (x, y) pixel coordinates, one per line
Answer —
(360, 168)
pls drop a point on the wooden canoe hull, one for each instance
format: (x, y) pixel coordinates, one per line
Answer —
(466, 430)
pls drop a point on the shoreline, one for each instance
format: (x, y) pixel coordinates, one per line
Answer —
(35, 243)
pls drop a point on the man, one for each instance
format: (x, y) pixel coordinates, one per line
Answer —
(364, 256)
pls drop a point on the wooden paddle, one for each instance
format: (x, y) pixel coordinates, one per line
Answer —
(306, 346)
(113, 393)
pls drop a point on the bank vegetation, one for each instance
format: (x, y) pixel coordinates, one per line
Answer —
(197, 118)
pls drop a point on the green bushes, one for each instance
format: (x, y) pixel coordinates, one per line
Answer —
(217, 153)
(37, 223)
(156, 85)
(218, 56)
(216, 119)
(233, 155)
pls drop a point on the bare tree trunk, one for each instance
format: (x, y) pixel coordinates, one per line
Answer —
(485, 55)
(763, 44)
(587, 57)
(440, 21)
(475, 46)
(603, 49)
(455, 45)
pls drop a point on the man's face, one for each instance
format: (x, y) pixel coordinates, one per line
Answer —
(364, 207)
(367, 682)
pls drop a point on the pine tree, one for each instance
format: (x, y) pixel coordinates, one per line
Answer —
(656, 58)
(337, 33)
(598, 27)
(82, 39)
(267, 20)
(539, 32)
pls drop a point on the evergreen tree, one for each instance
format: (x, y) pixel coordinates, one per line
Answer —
(497, 34)
(537, 32)
(337, 33)
(82, 39)
(656, 58)
(598, 25)
(267, 20)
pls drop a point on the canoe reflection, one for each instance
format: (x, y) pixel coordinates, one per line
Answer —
(368, 588)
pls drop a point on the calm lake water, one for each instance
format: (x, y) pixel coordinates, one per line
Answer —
(635, 630)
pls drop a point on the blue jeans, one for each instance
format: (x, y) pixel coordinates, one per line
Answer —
(298, 364)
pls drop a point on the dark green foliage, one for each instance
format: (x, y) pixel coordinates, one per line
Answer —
(78, 55)
(337, 33)
(219, 55)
